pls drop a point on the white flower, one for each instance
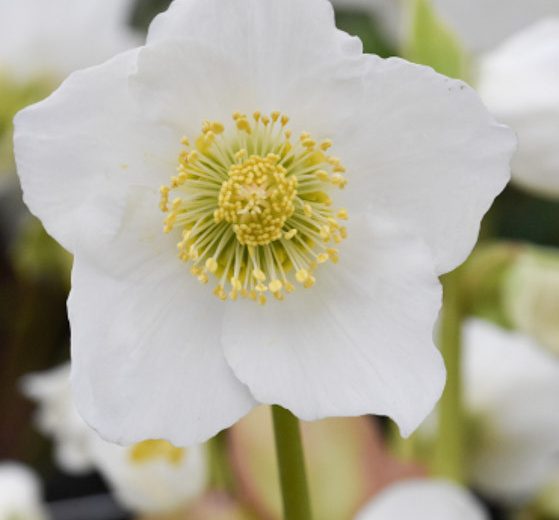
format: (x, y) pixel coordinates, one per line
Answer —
(40, 39)
(155, 353)
(20, 494)
(520, 84)
(423, 500)
(483, 24)
(149, 477)
(511, 388)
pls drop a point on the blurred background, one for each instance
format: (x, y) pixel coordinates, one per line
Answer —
(509, 291)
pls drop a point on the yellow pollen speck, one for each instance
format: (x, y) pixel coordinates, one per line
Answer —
(251, 208)
(211, 265)
(258, 275)
(290, 234)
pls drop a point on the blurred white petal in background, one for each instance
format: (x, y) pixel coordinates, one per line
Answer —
(51, 39)
(519, 82)
(149, 477)
(423, 500)
(20, 494)
(511, 389)
(482, 24)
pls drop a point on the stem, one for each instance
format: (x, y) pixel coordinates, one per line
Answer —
(291, 465)
(449, 460)
(221, 477)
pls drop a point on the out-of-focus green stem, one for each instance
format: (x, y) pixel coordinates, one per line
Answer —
(291, 465)
(402, 448)
(221, 476)
(449, 459)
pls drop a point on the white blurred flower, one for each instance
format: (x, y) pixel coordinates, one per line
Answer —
(483, 24)
(531, 296)
(57, 418)
(519, 82)
(149, 477)
(49, 39)
(252, 205)
(20, 494)
(511, 388)
(423, 500)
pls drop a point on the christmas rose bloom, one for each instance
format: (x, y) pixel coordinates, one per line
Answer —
(519, 81)
(511, 388)
(286, 253)
(423, 500)
(149, 477)
(20, 494)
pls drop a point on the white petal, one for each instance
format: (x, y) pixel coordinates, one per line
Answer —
(79, 150)
(511, 387)
(147, 360)
(287, 55)
(423, 500)
(519, 81)
(20, 493)
(358, 342)
(425, 151)
(280, 35)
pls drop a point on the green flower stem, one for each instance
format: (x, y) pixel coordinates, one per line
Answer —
(291, 465)
(220, 474)
(449, 459)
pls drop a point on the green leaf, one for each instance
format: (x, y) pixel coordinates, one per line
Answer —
(432, 43)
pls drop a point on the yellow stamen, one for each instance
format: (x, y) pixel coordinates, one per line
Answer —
(251, 208)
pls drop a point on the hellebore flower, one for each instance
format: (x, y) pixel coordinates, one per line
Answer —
(254, 208)
(519, 81)
(20, 495)
(152, 476)
(423, 500)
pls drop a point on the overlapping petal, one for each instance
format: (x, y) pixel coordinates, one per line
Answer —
(147, 359)
(425, 151)
(79, 151)
(359, 342)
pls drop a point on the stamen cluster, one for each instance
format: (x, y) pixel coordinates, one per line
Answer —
(252, 206)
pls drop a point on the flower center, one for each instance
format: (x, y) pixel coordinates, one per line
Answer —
(257, 199)
(253, 208)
